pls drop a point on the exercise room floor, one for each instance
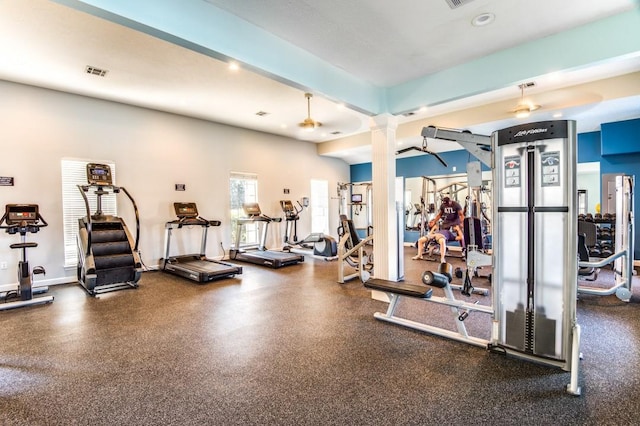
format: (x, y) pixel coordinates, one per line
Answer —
(293, 347)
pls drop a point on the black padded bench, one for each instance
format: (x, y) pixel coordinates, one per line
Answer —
(412, 290)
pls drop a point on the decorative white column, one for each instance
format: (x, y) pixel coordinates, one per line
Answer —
(385, 228)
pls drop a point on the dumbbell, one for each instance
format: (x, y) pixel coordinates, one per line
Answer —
(458, 272)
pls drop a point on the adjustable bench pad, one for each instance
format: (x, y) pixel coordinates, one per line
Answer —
(412, 290)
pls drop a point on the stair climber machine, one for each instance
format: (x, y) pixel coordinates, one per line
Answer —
(195, 267)
(315, 244)
(108, 258)
(258, 254)
(23, 219)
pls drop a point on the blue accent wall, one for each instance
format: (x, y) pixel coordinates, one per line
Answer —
(589, 147)
(423, 165)
(622, 137)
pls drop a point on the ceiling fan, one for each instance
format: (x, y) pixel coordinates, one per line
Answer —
(524, 109)
(309, 124)
(425, 149)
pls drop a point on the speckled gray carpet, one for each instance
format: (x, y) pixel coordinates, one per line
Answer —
(293, 347)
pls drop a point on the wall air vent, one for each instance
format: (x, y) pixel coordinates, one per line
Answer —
(261, 113)
(408, 114)
(95, 71)
(526, 85)
(453, 4)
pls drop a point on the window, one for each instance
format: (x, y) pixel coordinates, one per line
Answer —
(243, 189)
(319, 206)
(74, 173)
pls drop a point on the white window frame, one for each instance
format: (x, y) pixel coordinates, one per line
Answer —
(319, 206)
(250, 183)
(74, 173)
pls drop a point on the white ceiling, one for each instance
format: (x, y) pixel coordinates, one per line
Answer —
(49, 44)
(390, 42)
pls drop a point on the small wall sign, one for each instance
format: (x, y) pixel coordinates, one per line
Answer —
(6, 181)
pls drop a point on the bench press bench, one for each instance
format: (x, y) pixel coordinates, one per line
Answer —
(460, 309)
(412, 290)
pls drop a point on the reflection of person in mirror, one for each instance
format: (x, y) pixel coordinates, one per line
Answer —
(452, 217)
(440, 236)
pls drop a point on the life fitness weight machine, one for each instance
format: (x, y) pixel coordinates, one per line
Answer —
(534, 285)
(23, 219)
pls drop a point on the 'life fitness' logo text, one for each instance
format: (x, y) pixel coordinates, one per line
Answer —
(529, 132)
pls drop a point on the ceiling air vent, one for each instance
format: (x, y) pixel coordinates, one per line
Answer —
(261, 113)
(337, 132)
(408, 114)
(453, 4)
(526, 85)
(95, 71)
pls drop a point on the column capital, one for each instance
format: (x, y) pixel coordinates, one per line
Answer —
(383, 121)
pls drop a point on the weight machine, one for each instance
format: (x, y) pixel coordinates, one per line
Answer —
(534, 285)
(622, 259)
(354, 201)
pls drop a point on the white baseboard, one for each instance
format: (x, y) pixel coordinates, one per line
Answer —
(39, 283)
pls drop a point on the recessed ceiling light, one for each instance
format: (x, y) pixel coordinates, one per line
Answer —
(233, 66)
(423, 109)
(557, 115)
(483, 19)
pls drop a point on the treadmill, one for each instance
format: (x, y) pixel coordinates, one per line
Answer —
(195, 267)
(260, 255)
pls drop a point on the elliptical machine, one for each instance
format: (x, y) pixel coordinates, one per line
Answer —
(315, 244)
(22, 219)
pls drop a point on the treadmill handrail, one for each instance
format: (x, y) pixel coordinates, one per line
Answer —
(259, 218)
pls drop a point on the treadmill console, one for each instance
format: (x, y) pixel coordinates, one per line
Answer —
(99, 174)
(252, 209)
(185, 210)
(16, 214)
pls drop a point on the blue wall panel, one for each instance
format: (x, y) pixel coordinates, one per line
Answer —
(621, 137)
(589, 147)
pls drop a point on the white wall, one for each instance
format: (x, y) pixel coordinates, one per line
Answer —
(152, 151)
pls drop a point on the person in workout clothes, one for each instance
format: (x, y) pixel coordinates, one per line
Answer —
(452, 218)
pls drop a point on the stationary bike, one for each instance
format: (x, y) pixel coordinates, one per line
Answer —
(22, 219)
